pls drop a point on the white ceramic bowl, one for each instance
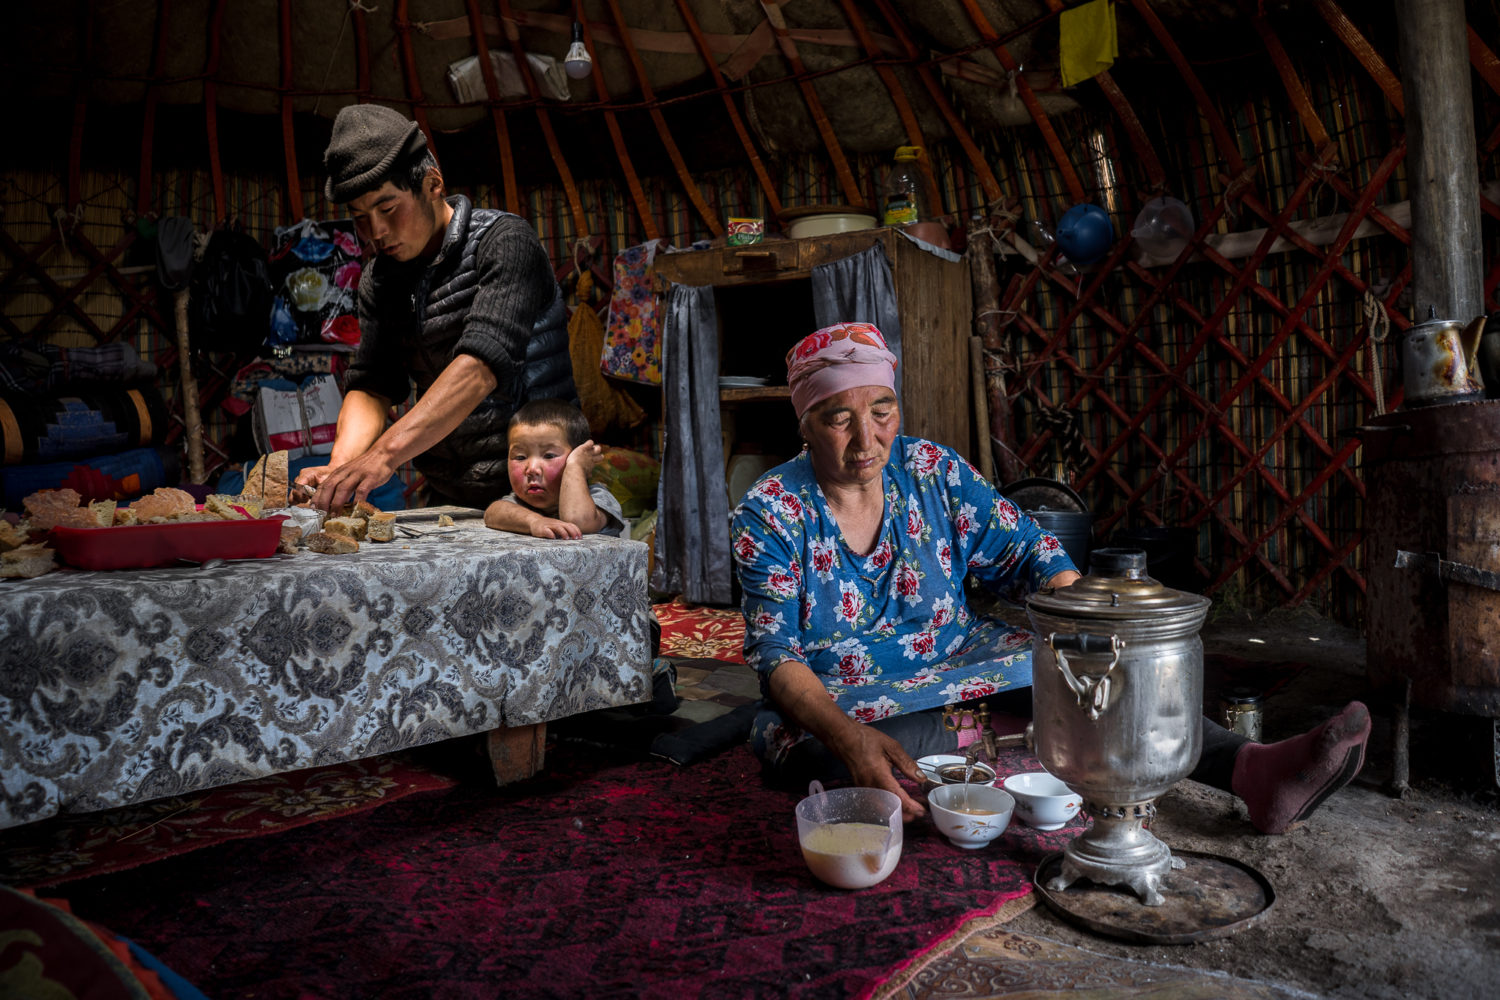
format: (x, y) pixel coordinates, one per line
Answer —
(1042, 800)
(851, 837)
(970, 815)
(828, 224)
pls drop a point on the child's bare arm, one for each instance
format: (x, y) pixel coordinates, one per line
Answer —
(574, 504)
(505, 515)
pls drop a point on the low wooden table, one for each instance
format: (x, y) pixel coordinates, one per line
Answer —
(132, 685)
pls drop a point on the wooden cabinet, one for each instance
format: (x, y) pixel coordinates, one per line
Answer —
(763, 298)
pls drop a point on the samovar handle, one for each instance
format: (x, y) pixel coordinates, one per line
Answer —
(1092, 692)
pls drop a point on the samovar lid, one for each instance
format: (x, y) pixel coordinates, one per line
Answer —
(1116, 587)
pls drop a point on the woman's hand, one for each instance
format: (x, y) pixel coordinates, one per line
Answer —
(870, 755)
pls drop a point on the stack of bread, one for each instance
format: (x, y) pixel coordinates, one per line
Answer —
(345, 528)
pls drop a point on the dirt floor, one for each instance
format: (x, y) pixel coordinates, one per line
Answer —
(1376, 896)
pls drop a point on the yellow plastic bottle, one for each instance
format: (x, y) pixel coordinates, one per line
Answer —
(903, 190)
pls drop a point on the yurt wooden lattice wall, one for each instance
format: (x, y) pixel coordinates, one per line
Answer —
(1215, 391)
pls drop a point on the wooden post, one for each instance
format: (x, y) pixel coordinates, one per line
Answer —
(1441, 165)
(192, 419)
(516, 752)
(988, 330)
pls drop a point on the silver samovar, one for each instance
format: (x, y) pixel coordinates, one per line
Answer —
(1118, 700)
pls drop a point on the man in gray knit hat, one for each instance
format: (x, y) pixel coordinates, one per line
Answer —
(460, 302)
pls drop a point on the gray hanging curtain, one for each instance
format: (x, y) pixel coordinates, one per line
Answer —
(859, 289)
(692, 498)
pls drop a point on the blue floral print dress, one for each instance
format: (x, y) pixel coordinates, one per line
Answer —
(888, 632)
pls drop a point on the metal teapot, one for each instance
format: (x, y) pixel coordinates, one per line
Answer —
(1439, 363)
(1117, 692)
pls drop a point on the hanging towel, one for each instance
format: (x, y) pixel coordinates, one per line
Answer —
(632, 337)
(1089, 43)
(603, 404)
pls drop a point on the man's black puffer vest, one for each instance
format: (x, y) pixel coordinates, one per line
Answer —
(480, 297)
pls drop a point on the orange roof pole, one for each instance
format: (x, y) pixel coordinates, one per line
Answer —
(850, 186)
(211, 107)
(773, 198)
(908, 116)
(690, 186)
(544, 121)
(1363, 51)
(1028, 98)
(492, 89)
(293, 209)
(987, 180)
(409, 72)
(632, 180)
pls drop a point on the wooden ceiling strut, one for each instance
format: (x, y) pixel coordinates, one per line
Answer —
(914, 135)
(148, 112)
(1484, 60)
(410, 79)
(1135, 131)
(1314, 289)
(852, 194)
(767, 186)
(361, 52)
(544, 120)
(1028, 98)
(1293, 83)
(987, 181)
(611, 122)
(292, 209)
(1207, 332)
(211, 107)
(1364, 52)
(83, 33)
(689, 186)
(1227, 146)
(512, 197)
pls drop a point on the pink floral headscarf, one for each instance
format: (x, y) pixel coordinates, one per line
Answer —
(835, 358)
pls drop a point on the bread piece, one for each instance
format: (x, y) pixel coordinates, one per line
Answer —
(222, 506)
(353, 527)
(43, 500)
(26, 562)
(365, 510)
(445, 520)
(11, 536)
(124, 515)
(269, 479)
(103, 512)
(49, 508)
(381, 527)
(291, 539)
(164, 502)
(322, 541)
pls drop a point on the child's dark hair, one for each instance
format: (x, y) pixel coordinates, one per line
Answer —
(557, 412)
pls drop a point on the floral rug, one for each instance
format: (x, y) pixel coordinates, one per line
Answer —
(71, 847)
(698, 631)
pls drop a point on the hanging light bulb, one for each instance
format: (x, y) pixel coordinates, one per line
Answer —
(577, 62)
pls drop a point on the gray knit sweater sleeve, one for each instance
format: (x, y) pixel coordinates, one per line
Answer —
(515, 285)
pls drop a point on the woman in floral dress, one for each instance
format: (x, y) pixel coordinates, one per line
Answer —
(852, 559)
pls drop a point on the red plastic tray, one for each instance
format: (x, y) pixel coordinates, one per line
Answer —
(141, 546)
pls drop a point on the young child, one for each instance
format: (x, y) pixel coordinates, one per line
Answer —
(550, 459)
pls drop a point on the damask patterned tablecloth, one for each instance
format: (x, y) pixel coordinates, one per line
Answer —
(126, 686)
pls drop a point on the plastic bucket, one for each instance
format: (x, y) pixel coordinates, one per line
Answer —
(1074, 529)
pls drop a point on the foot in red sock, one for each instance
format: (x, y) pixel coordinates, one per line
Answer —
(1282, 783)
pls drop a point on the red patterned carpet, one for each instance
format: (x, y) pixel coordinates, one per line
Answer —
(692, 630)
(73, 847)
(596, 879)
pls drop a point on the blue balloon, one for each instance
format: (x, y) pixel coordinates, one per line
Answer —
(1085, 233)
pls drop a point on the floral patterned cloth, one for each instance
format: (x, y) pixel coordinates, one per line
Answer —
(127, 686)
(889, 632)
(632, 336)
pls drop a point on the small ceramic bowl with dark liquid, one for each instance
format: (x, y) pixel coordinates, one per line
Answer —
(970, 815)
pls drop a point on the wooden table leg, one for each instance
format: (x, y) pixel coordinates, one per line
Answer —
(516, 752)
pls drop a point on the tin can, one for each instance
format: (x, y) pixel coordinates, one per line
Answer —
(1242, 714)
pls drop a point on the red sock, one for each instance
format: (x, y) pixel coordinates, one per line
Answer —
(1282, 783)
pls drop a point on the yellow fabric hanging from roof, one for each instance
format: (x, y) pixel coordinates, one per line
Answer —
(603, 404)
(1089, 43)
